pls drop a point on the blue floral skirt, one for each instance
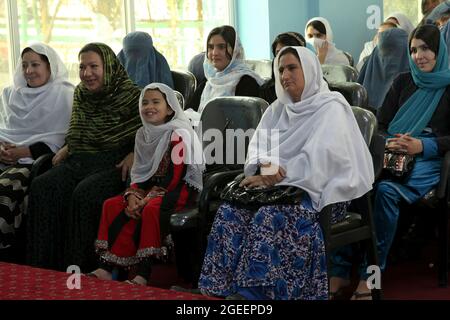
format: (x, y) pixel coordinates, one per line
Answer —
(277, 252)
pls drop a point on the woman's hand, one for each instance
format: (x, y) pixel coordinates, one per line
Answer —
(126, 165)
(61, 155)
(264, 180)
(405, 143)
(10, 153)
(134, 207)
(322, 52)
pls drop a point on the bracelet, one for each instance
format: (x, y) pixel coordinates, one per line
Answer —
(132, 192)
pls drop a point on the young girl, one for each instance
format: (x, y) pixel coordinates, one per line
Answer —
(166, 174)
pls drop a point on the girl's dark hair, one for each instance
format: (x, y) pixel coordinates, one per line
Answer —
(429, 34)
(288, 39)
(43, 56)
(319, 26)
(91, 47)
(227, 33)
(169, 116)
(289, 50)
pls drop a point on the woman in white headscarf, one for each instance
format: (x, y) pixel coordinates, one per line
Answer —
(277, 251)
(34, 117)
(165, 177)
(225, 71)
(402, 21)
(318, 33)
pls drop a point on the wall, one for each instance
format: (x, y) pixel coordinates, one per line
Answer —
(259, 21)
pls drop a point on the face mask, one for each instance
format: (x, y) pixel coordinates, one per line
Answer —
(316, 42)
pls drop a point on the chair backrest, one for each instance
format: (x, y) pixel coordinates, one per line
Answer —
(353, 92)
(262, 67)
(229, 113)
(339, 73)
(195, 66)
(185, 83)
(350, 58)
(180, 98)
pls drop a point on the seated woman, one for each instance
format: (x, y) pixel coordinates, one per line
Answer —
(294, 39)
(415, 118)
(225, 71)
(34, 117)
(402, 21)
(143, 63)
(65, 202)
(166, 174)
(318, 33)
(277, 251)
(370, 46)
(387, 61)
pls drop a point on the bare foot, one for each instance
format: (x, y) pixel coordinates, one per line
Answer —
(102, 274)
(138, 280)
(362, 292)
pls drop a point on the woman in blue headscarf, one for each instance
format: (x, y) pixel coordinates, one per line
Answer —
(414, 118)
(144, 64)
(388, 59)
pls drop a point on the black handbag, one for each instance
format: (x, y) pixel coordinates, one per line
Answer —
(398, 164)
(257, 197)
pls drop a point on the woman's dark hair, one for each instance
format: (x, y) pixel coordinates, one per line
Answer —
(429, 34)
(91, 47)
(288, 39)
(43, 56)
(319, 26)
(227, 33)
(169, 116)
(290, 50)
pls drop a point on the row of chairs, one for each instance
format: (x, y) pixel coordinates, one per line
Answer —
(191, 227)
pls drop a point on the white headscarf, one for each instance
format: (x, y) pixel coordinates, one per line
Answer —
(334, 55)
(320, 144)
(403, 22)
(31, 115)
(223, 83)
(153, 141)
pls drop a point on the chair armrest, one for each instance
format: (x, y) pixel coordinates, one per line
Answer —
(41, 164)
(444, 181)
(377, 151)
(212, 187)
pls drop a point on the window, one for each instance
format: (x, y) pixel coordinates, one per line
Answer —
(67, 25)
(185, 23)
(4, 51)
(178, 27)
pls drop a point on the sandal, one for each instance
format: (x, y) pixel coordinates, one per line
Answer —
(92, 275)
(336, 295)
(132, 281)
(361, 295)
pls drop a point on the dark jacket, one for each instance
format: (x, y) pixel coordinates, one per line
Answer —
(402, 88)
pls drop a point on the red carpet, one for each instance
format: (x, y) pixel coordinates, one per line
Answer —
(19, 282)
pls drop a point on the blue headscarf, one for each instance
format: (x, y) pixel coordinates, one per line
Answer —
(415, 114)
(144, 64)
(388, 59)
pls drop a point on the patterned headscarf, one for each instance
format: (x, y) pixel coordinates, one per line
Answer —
(107, 119)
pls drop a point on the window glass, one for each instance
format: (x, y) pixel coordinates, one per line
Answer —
(67, 25)
(4, 51)
(179, 27)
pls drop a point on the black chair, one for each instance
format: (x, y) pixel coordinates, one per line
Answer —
(358, 226)
(436, 204)
(339, 73)
(184, 82)
(350, 58)
(190, 227)
(262, 67)
(353, 92)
